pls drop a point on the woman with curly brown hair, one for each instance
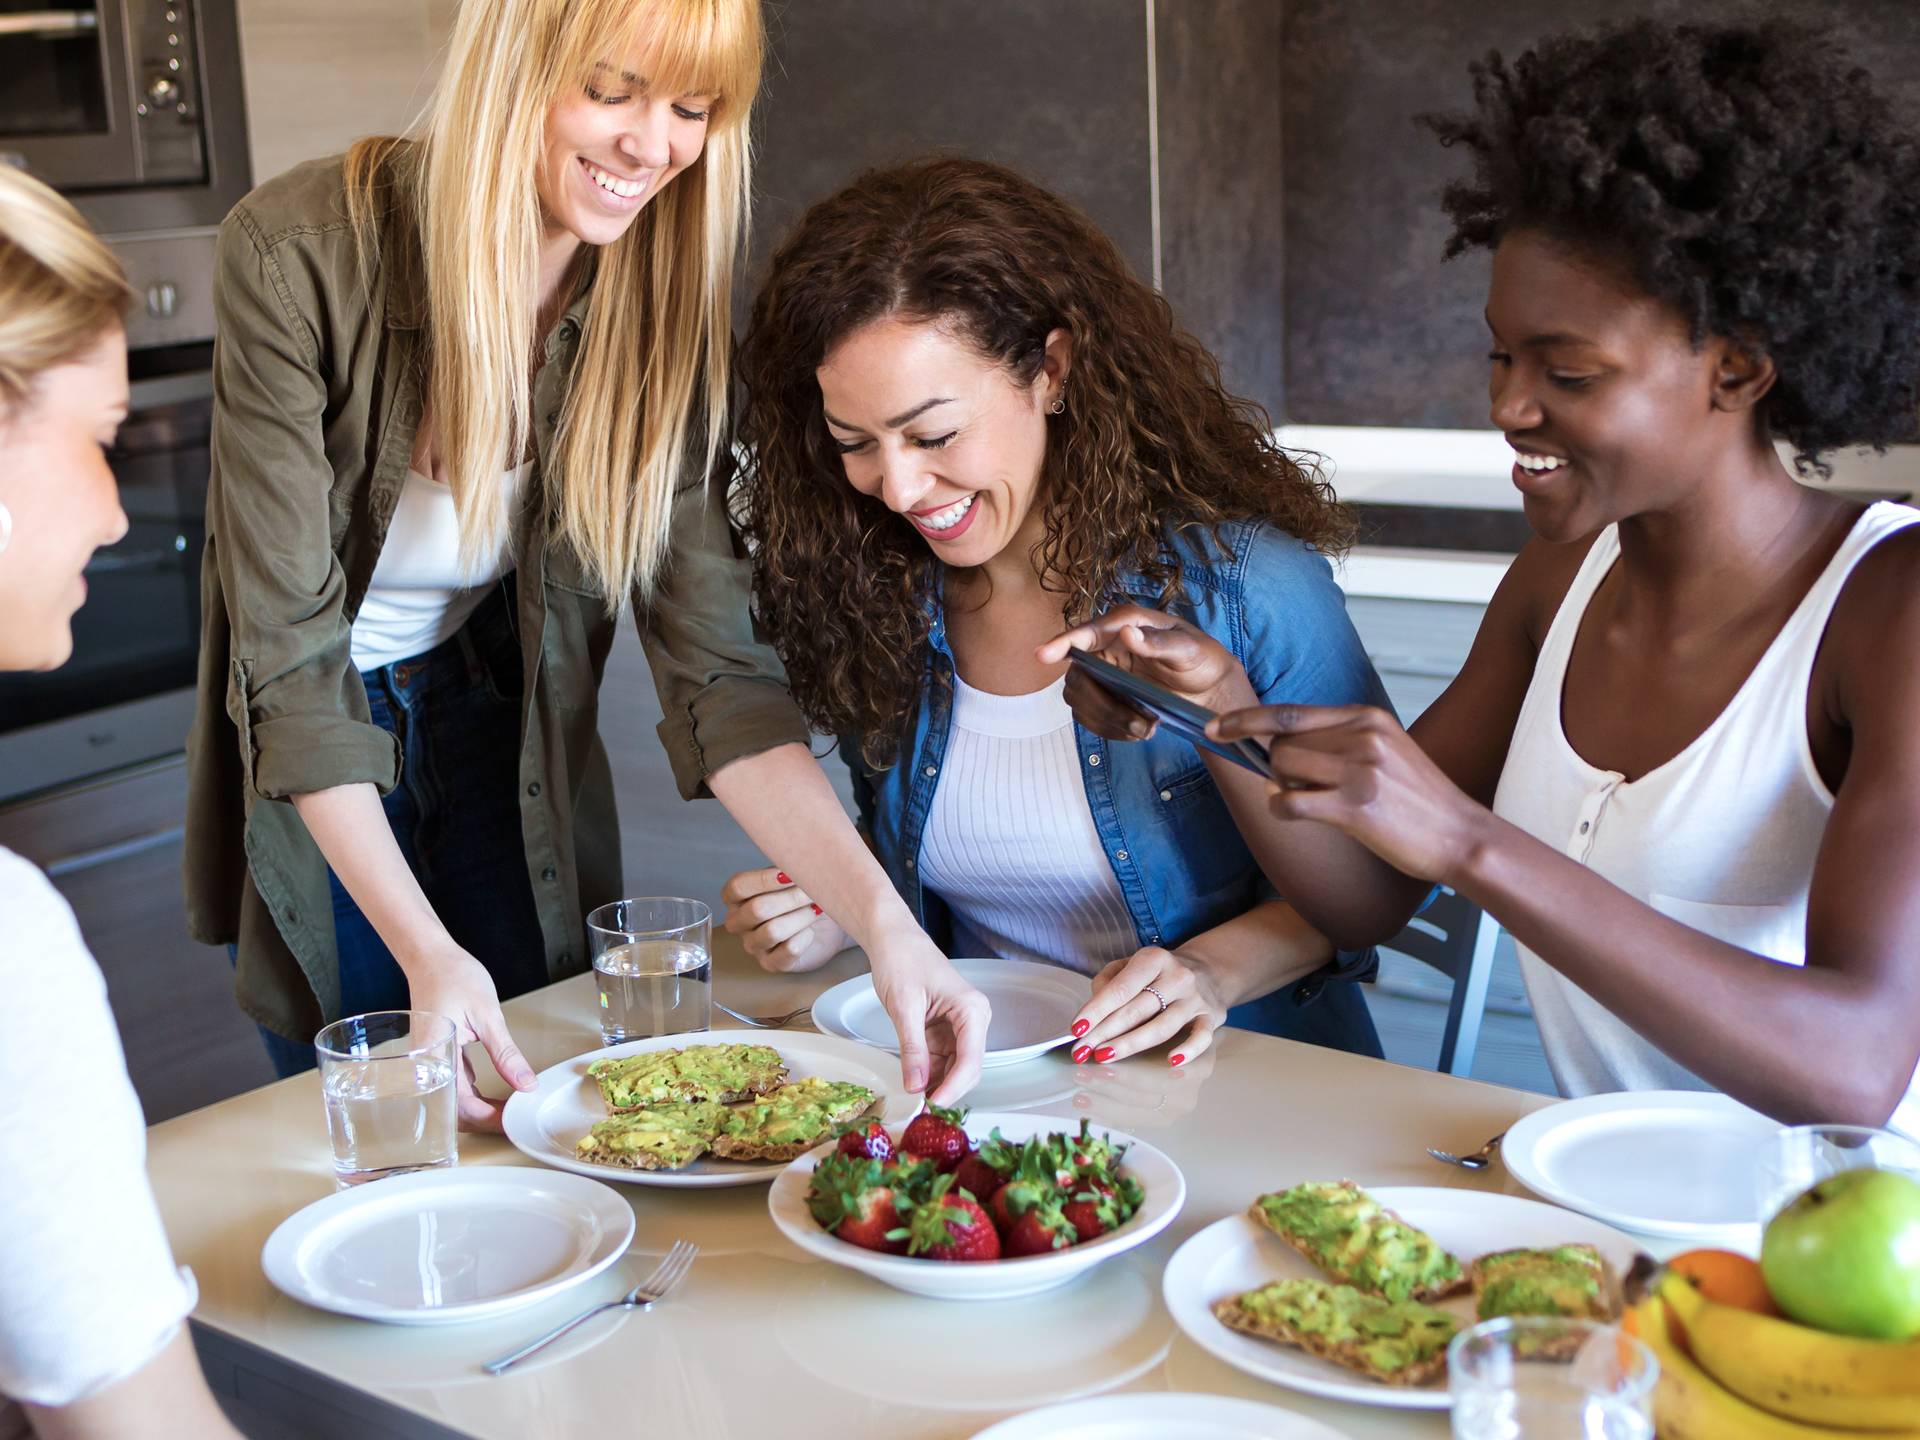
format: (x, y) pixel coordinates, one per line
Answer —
(971, 426)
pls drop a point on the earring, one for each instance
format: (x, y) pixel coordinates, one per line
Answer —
(6, 528)
(1059, 405)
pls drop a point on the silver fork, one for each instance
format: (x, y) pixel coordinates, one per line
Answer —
(1478, 1160)
(765, 1022)
(671, 1271)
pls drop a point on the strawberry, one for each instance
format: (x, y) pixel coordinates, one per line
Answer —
(1085, 1153)
(949, 1226)
(1101, 1205)
(856, 1200)
(935, 1134)
(978, 1177)
(870, 1141)
(1039, 1230)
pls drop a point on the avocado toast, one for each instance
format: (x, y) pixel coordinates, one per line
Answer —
(667, 1137)
(1348, 1234)
(1568, 1281)
(1397, 1342)
(786, 1123)
(722, 1073)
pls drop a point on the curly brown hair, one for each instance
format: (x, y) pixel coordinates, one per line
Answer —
(1150, 441)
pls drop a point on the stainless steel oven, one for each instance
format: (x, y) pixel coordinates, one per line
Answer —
(134, 110)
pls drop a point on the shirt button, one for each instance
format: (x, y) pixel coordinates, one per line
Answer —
(909, 864)
(1120, 855)
(1585, 825)
(566, 957)
(931, 771)
(534, 788)
(1166, 794)
(290, 915)
(549, 873)
(1093, 759)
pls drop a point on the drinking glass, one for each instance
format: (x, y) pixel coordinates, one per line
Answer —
(387, 1079)
(1799, 1157)
(1535, 1377)
(652, 967)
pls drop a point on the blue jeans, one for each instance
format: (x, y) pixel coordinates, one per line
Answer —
(455, 813)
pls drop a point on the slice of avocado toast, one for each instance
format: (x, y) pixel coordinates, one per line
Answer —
(785, 1123)
(1570, 1281)
(722, 1073)
(1353, 1238)
(1395, 1342)
(668, 1137)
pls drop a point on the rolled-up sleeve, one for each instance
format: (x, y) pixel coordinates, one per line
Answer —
(723, 692)
(292, 691)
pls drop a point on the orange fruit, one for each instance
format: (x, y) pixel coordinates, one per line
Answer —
(1726, 1278)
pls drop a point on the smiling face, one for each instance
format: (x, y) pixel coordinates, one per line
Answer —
(941, 434)
(612, 147)
(55, 483)
(1611, 409)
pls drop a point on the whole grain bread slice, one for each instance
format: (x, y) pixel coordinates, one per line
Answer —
(784, 1124)
(1427, 1330)
(1566, 1281)
(1375, 1227)
(723, 1074)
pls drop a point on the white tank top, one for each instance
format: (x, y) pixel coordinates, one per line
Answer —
(1722, 837)
(1010, 842)
(420, 595)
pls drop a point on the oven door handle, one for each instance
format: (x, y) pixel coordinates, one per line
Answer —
(50, 22)
(118, 850)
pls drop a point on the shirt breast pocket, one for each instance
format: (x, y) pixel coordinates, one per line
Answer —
(1184, 790)
(1777, 931)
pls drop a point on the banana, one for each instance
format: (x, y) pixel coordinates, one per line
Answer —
(1689, 1404)
(1796, 1371)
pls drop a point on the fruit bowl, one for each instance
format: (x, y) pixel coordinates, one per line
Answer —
(1164, 1186)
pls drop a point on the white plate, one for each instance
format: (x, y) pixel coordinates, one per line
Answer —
(1674, 1163)
(443, 1246)
(1033, 1009)
(1159, 1177)
(1160, 1417)
(1236, 1254)
(547, 1122)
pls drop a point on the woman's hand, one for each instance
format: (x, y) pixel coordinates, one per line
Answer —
(1123, 1018)
(941, 1020)
(458, 986)
(1156, 647)
(779, 923)
(1354, 768)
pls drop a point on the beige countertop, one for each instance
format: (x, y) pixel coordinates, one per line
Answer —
(764, 1340)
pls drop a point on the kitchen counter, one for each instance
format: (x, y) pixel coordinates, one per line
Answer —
(762, 1339)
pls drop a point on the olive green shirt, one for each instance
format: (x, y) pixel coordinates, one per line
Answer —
(317, 395)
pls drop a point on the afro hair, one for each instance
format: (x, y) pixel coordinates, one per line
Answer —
(1750, 177)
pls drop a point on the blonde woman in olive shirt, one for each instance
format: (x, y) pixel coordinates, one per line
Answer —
(575, 198)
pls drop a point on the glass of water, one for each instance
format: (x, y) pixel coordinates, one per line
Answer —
(1800, 1157)
(387, 1079)
(652, 967)
(1534, 1377)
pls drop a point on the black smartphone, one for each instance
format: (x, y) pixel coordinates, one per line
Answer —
(1178, 714)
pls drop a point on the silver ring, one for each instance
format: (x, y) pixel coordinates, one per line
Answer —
(1158, 996)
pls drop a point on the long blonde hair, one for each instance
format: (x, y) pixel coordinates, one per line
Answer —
(60, 286)
(654, 351)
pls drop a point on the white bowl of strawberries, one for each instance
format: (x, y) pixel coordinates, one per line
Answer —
(907, 1207)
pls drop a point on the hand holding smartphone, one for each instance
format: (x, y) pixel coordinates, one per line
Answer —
(1178, 714)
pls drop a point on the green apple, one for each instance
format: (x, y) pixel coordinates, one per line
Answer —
(1845, 1256)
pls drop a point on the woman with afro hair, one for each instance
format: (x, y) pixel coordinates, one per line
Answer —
(1682, 762)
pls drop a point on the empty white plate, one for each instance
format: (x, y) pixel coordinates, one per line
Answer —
(1161, 1417)
(1674, 1163)
(1033, 1008)
(548, 1121)
(1237, 1254)
(448, 1245)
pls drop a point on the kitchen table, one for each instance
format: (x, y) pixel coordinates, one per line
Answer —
(762, 1340)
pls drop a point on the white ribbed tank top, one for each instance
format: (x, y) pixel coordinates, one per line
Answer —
(1722, 837)
(1010, 842)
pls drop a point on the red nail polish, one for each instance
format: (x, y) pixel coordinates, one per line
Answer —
(1178, 1060)
(818, 911)
(1080, 1055)
(783, 877)
(1103, 1054)
(1080, 1027)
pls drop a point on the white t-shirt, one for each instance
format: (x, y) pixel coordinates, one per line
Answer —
(420, 595)
(89, 1292)
(1010, 842)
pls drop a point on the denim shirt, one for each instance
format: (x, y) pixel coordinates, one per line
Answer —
(1176, 853)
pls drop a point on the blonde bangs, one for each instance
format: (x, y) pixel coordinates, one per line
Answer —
(691, 47)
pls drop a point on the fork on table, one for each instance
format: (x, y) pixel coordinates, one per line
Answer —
(670, 1272)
